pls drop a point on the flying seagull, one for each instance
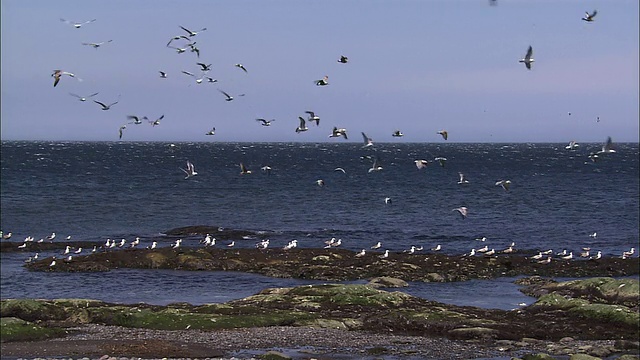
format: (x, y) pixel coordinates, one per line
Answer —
(338, 132)
(444, 133)
(229, 97)
(322, 82)
(57, 74)
(504, 183)
(343, 59)
(104, 106)
(367, 140)
(462, 210)
(211, 132)
(463, 179)
(589, 17)
(136, 120)
(376, 165)
(244, 170)
(240, 66)
(121, 131)
(607, 148)
(192, 33)
(204, 67)
(441, 160)
(83, 98)
(572, 145)
(302, 126)
(313, 117)
(156, 121)
(77, 25)
(190, 170)
(527, 58)
(397, 133)
(265, 122)
(97, 45)
(198, 81)
(163, 74)
(421, 164)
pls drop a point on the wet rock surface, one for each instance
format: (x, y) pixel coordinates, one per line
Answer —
(338, 264)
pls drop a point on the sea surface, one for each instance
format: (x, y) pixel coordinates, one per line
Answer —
(96, 191)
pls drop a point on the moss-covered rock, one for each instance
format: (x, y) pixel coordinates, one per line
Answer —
(14, 329)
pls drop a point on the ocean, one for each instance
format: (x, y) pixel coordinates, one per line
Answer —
(98, 190)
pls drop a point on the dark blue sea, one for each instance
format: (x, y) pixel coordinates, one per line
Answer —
(98, 190)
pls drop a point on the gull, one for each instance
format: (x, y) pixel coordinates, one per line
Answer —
(24, 245)
(444, 133)
(586, 248)
(178, 50)
(83, 98)
(410, 251)
(437, 248)
(361, 253)
(51, 237)
(313, 117)
(607, 148)
(483, 239)
(337, 243)
(53, 262)
(593, 157)
(572, 145)
(568, 257)
(330, 241)
(504, 183)
(163, 74)
(462, 210)
(190, 170)
(7, 235)
(527, 60)
(95, 248)
(385, 255)
(156, 121)
(265, 122)
(547, 252)
(397, 133)
(338, 132)
(135, 242)
(243, 170)
(322, 82)
(340, 169)
(546, 261)
(302, 126)
(266, 169)
(198, 81)
(490, 252)
(471, 253)
(66, 250)
(97, 45)
(421, 164)
(537, 257)
(136, 120)
(122, 242)
(192, 33)
(176, 244)
(387, 200)
(194, 49)
(293, 243)
(153, 245)
(630, 252)
(229, 97)
(320, 182)
(57, 74)
(210, 79)
(78, 251)
(562, 253)
(483, 249)
(211, 132)
(367, 140)
(204, 67)
(77, 25)
(178, 37)
(589, 17)
(462, 180)
(240, 66)
(121, 131)
(343, 59)
(441, 160)
(107, 243)
(508, 250)
(377, 245)
(231, 244)
(376, 165)
(593, 235)
(263, 244)
(584, 254)
(105, 107)
(597, 257)
(207, 240)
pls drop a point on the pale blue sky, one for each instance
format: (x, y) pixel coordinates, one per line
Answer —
(416, 66)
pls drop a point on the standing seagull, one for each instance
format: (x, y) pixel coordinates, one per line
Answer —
(57, 74)
(444, 133)
(190, 170)
(77, 25)
(367, 140)
(462, 210)
(589, 17)
(302, 126)
(527, 58)
(192, 33)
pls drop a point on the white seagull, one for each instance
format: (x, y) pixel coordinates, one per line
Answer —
(397, 133)
(211, 132)
(104, 106)
(377, 245)
(462, 210)
(462, 180)
(240, 66)
(322, 82)
(504, 183)
(77, 25)
(367, 140)
(361, 253)
(244, 170)
(192, 33)
(572, 145)
(97, 45)
(338, 132)
(589, 17)
(421, 163)
(376, 165)
(190, 170)
(83, 98)
(302, 127)
(313, 117)
(527, 60)
(265, 122)
(607, 148)
(57, 74)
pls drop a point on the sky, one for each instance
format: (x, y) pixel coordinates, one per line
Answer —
(414, 66)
